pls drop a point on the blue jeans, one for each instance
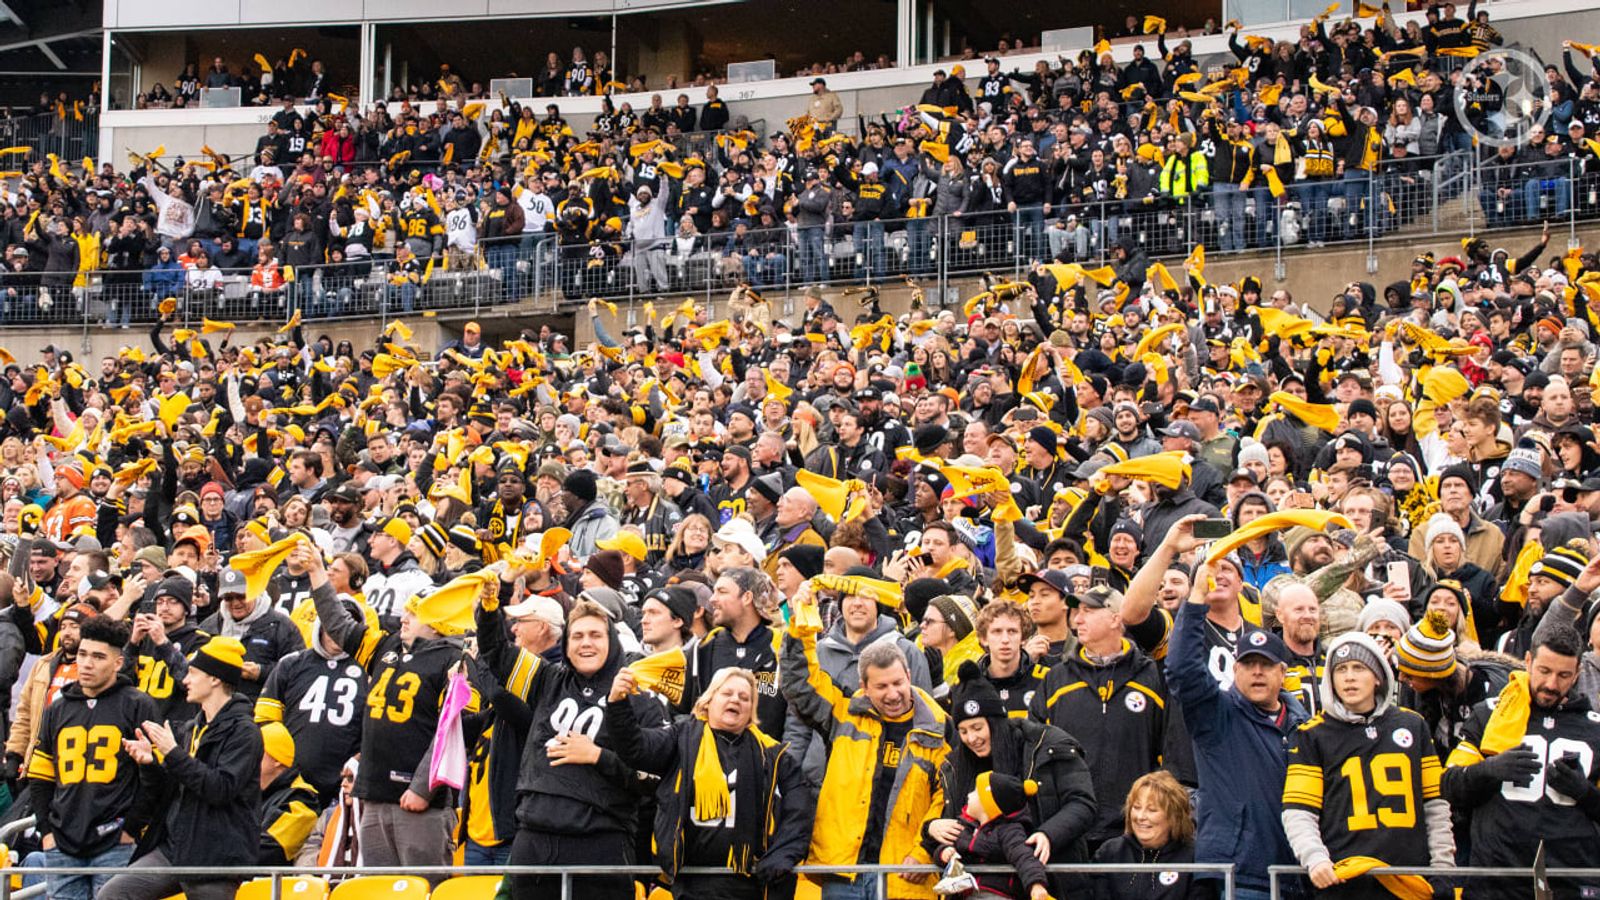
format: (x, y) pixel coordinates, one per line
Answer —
(1266, 216)
(477, 854)
(502, 256)
(868, 237)
(78, 887)
(1500, 212)
(1030, 231)
(1313, 196)
(1536, 190)
(1359, 202)
(917, 245)
(813, 255)
(1228, 203)
(865, 887)
(407, 293)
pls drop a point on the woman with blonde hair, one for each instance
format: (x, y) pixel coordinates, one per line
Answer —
(1158, 828)
(706, 817)
(689, 545)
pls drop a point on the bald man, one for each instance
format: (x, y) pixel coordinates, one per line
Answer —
(796, 509)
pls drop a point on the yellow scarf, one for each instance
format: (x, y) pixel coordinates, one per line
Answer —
(1318, 415)
(1508, 724)
(1406, 887)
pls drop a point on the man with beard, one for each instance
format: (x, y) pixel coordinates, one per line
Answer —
(396, 577)
(857, 456)
(1524, 771)
(729, 494)
(1131, 434)
(1317, 562)
(886, 433)
(351, 534)
(1300, 621)
(163, 638)
(500, 519)
(266, 632)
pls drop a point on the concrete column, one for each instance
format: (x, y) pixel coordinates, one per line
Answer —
(905, 26)
(369, 62)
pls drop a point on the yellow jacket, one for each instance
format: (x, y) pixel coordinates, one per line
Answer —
(855, 732)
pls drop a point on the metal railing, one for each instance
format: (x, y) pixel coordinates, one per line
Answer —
(1400, 200)
(1452, 877)
(571, 874)
(69, 138)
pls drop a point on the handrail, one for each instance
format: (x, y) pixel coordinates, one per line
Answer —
(567, 873)
(1455, 875)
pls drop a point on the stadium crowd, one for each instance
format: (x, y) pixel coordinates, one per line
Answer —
(1109, 564)
(337, 210)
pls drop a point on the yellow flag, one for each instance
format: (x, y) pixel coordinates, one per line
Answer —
(1155, 25)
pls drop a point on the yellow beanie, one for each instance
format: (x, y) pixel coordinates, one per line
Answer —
(278, 742)
(221, 658)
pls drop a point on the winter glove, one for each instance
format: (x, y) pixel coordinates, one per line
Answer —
(1517, 766)
(1565, 777)
(13, 768)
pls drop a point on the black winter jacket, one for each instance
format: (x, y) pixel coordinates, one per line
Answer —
(211, 798)
(787, 810)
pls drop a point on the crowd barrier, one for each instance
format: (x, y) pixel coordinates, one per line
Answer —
(1292, 882)
(1411, 199)
(69, 137)
(281, 882)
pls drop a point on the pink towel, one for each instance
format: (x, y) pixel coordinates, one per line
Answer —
(449, 764)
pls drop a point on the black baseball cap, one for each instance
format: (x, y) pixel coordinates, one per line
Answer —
(1259, 642)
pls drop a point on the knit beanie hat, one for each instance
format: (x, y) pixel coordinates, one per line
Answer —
(278, 743)
(581, 484)
(607, 566)
(1003, 795)
(1562, 565)
(974, 696)
(958, 611)
(222, 658)
(1358, 648)
(919, 593)
(806, 558)
(1463, 472)
(1382, 609)
(1428, 649)
(1439, 525)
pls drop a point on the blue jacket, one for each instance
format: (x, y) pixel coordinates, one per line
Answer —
(1241, 755)
(164, 279)
(1274, 561)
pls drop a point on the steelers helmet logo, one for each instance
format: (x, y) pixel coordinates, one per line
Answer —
(497, 527)
(1168, 879)
(1402, 738)
(1343, 651)
(1258, 639)
(971, 707)
(1135, 703)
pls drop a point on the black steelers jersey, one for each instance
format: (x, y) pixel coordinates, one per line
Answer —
(1367, 784)
(80, 778)
(321, 701)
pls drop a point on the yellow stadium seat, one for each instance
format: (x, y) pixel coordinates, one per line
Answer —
(382, 887)
(467, 887)
(300, 887)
